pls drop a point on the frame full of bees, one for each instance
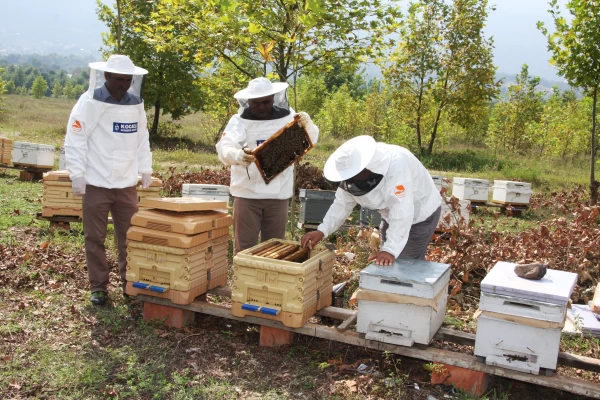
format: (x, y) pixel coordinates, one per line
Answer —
(282, 149)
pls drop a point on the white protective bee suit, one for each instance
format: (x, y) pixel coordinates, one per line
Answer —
(106, 147)
(247, 185)
(405, 196)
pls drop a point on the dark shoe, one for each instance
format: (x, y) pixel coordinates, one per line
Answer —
(99, 298)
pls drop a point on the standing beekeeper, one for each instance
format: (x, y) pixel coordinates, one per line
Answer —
(106, 147)
(389, 179)
(258, 207)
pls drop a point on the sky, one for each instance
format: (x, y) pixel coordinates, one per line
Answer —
(71, 27)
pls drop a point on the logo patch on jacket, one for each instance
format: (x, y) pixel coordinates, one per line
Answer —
(399, 191)
(76, 126)
(259, 142)
(122, 127)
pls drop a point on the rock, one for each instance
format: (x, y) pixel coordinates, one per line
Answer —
(531, 271)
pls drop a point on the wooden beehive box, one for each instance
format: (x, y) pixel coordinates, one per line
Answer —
(181, 204)
(290, 291)
(58, 196)
(282, 149)
(6, 149)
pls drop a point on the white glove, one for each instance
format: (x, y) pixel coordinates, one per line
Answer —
(146, 181)
(78, 186)
(242, 158)
(304, 119)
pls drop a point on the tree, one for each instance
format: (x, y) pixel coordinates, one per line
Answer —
(69, 91)
(39, 87)
(10, 87)
(576, 55)
(2, 89)
(57, 90)
(284, 36)
(442, 66)
(510, 119)
(155, 44)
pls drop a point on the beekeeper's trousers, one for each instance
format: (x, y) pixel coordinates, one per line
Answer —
(253, 216)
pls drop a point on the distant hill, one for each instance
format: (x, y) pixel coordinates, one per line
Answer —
(48, 62)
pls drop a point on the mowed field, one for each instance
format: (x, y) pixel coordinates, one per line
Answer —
(55, 345)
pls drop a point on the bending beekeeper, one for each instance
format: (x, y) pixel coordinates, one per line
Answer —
(389, 179)
(106, 147)
(258, 207)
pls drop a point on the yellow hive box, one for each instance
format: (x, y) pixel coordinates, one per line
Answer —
(58, 195)
(51, 211)
(286, 291)
(173, 239)
(175, 268)
(187, 223)
(183, 204)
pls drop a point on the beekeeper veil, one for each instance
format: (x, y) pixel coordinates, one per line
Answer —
(258, 97)
(117, 64)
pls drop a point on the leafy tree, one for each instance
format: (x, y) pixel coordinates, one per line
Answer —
(510, 119)
(341, 115)
(39, 87)
(10, 87)
(442, 66)
(21, 91)
(284, 36)
(57, 90)
(156, 44)
(312, 92)
(2, 89)
(576, 54)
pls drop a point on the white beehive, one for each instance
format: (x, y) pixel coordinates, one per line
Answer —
(439, 181)
(519, 320)
(508, 192)
(62, 163)
(471, 189)
(404, 303)
(454, 215)
(33, 154)
(206, 191)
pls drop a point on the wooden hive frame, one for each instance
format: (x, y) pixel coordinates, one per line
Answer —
(272, 145)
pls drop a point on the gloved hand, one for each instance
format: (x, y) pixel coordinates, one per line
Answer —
(242, 158)
(146, 181)
(304, 119)
(78, 186)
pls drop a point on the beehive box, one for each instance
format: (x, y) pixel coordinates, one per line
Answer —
(476, 190)
(439, 181)
(370, 217)
(205, 191)
(177, 269)
(6, 149)
(33, 155)
(187, 223)
(508, 192)
(181, 204)
(454, 213)
(58, 197)
(286, 291)
(404, 303)
(62, 163)
(282, 149)
(171, 239)
(520, 321)
(314, 204)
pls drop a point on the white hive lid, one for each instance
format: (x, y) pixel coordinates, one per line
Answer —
(556, 287)
(406, 276)
(470, 182)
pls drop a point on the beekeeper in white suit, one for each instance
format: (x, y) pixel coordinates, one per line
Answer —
(106, 147)
(258, 207)
(389, 179)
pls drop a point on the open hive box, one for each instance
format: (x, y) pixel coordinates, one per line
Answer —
(58, 197)
(280, 281)
(152, 191)
(282, 149)
(177, 255)
(6, 148)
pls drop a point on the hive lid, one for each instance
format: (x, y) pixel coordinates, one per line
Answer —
(512, 185)
(417, 278)
(182, 204)
(556, 287)
(188, 223)
(470, 181)
(59, 176)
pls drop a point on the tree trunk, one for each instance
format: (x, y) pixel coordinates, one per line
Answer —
(434, 131)
(593, 183)
(154, 130)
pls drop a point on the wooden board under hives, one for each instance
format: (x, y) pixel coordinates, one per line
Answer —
(282, 149)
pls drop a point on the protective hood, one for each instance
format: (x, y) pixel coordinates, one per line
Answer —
(262, 87)
(117, 64)
(350, 158)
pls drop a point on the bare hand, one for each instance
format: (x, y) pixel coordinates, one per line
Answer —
(382, 258)
(310, 239)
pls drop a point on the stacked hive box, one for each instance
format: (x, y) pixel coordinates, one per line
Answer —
(58, 196)
(455, 212)
(33, 155)
(152, 191)
(177, 249)
(507, 192)
(6, 148)
(278, 280)
(475, 190)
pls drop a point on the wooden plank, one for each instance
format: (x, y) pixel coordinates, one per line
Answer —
(347, 323)
(462, 360)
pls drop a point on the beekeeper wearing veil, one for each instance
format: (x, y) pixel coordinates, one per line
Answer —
(258, 207)
(106, 147)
